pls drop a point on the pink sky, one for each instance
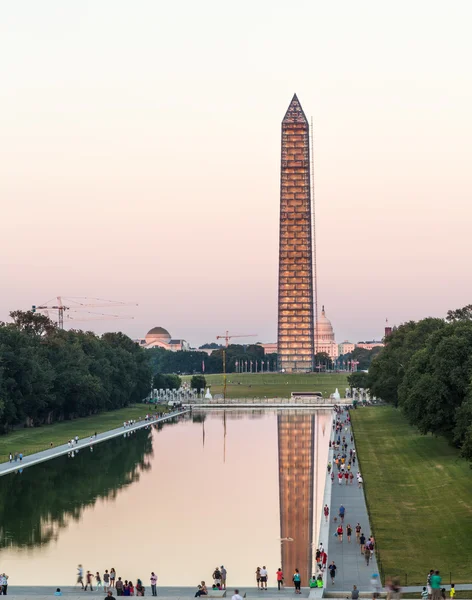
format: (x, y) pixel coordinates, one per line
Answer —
(140, 156)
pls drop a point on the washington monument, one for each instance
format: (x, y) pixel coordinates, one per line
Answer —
(295, 339)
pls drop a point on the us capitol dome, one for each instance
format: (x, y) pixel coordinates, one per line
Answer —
(324, 336)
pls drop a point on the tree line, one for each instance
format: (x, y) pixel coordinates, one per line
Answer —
(184, 362)
(48, 374)
(425, 369)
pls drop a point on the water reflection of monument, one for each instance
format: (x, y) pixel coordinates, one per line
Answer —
(296, 437)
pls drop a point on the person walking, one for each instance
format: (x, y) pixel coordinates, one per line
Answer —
(258, 578)
(280, 578)
(153, 584)
(98, 579)
(332, 477)
(340, 478)
(4, 584)
(332, 571)
(88, 581)
(297, 581)
(112, 577)
(106, 581)
(11, 457)
(342, 511)
(340, 533)
(376, 586)
(119, 587)
(362, 542)
(367, 554)
(80, 575)
(428, 584)
(358, 532)
(223, 577)
(326, 512)
(349, 533)
(436, 585)
(264, 576)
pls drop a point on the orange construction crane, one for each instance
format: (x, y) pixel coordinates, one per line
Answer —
(78, 306)
(227, 337)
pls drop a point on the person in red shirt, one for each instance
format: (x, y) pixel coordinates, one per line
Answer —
(326, 512)
(340, 478)
(346, 477)
(324, 560)
(280, 578)
(340, 532)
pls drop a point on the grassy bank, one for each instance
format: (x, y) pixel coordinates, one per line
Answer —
(30, 440)
(419, 494)
(272, 385)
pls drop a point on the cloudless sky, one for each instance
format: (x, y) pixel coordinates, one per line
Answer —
(140, 158)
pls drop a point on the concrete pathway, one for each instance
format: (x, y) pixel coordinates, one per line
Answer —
(73, 593)
(351, 566)
(38, 457)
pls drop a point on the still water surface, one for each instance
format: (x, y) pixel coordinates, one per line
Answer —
(212, 488)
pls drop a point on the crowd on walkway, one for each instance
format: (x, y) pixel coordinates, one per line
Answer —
(109, 582)
(73, 442)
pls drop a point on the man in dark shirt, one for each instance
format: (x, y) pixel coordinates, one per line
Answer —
(109, 596)
(332, 571)
(362, 542)
(354, 593)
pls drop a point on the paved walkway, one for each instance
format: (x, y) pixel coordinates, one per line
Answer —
(73, 593)
(38, 457)
(351, 566)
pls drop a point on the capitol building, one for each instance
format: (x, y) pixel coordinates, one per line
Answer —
(324, 336)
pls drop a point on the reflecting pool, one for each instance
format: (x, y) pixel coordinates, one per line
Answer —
(213, 488)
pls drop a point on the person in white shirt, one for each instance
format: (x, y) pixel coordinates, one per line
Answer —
(263, 578)
(236, 596)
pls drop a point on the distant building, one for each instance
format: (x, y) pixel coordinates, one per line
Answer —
(370, 345)
(269, 348)
(346, 347)
(324, 337)
(158, 337)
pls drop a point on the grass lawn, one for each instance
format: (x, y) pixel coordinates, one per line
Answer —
(419, 494)
(276, 385)
(30, 440)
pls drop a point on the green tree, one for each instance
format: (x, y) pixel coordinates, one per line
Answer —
(323, 361)
(198, 382)
(387, 370)
(358, 380)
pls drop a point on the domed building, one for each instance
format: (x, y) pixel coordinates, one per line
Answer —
(324, 336)
(158, 334)
(158, 337)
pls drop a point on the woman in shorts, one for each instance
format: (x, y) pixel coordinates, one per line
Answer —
(258, 577)
(340, 532)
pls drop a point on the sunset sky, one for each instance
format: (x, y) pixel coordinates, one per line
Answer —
(140, 158)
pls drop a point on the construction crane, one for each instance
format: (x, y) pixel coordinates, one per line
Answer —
(78, 305)
(228, 337)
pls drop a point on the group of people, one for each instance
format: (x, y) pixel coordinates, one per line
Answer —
(18, 456)
(262, 576)
(109, 581)
(433, 589)
(219, 583)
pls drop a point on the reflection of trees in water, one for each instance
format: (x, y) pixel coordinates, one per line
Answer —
(37, 503)
(231, 414)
